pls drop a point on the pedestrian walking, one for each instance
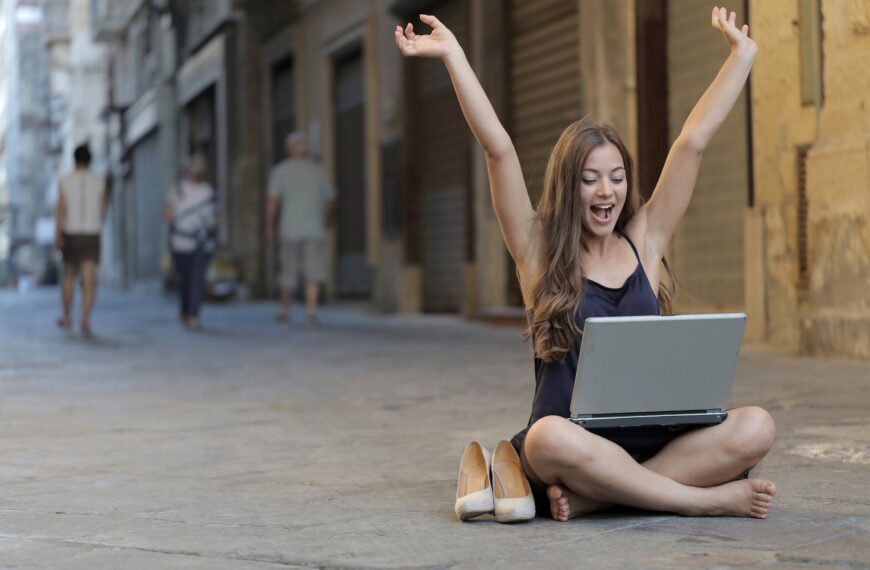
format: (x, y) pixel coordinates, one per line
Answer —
(591, 248)
(81, 209)
(306, 198)
(191, 211)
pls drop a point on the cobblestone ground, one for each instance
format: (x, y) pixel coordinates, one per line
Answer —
(258, 445)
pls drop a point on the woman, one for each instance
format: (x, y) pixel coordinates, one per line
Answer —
(591, 249)
(192, 216)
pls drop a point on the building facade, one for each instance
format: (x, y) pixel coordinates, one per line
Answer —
(811, 155)
(416, 230)
(141, 120)
(25, 200)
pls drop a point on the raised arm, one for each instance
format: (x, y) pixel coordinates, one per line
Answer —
(509, 195)
(677, 181)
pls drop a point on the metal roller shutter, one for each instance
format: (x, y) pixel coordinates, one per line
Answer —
(440, 164)
(149, 199)
(354, 277)
(708, 246)
(544, 81)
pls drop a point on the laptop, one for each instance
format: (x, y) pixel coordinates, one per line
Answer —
(652, 370)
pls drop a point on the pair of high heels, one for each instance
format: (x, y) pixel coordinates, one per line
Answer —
(506, 494)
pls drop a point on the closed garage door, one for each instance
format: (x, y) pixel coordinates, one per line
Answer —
(544, 67)
(439, 198)
(148, 203)
(354, 277)
(708, 246)
(544, 81)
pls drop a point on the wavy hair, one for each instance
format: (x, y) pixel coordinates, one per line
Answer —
(557, 292)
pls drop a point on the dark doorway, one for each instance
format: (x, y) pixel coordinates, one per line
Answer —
(283, 107)
(201, 131)
(439, 219)
(652, 93)
(354, 277)
(148, 203)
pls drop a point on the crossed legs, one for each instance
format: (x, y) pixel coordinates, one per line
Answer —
(692, 475)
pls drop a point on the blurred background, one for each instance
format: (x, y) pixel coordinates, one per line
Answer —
(779, 226)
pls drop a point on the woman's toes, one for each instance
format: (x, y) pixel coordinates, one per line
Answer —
(758, 510)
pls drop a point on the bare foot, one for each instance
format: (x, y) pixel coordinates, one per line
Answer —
(64, 322)
(566, 504)
(748, 498)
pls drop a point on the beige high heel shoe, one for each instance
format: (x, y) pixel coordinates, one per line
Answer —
(511, 491)
(474, 490)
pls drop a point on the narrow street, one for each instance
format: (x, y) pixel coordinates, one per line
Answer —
(257, 445)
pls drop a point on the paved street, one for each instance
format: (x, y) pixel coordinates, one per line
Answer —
(255, 445)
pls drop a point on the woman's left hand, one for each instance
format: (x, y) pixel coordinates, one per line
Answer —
(738, 39)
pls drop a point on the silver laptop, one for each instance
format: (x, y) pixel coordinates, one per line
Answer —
(642, 371)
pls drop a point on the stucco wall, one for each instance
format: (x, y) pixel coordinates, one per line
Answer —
(837, 315)
(831, 315)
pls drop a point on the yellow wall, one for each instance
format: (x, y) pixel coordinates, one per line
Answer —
(832, 315)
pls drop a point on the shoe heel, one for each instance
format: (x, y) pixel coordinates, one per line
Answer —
(512, 494)
(474, 487)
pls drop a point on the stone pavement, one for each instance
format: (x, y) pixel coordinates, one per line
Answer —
(255, 445)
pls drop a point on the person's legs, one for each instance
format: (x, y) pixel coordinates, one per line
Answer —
(199, 268)
(717, 454)
(703, 457)
(586, 471)
(89, 291)
(314, 253)
(288, 276)
(67, 288)
(312, 289)
(182, 269)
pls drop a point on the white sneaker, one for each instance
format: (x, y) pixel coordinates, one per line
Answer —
(474, 490)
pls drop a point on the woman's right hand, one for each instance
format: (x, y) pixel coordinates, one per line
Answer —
(441, 43)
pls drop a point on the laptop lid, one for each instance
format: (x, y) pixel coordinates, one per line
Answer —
(656, 364)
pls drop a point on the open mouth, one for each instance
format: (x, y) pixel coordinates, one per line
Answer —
(602, 214)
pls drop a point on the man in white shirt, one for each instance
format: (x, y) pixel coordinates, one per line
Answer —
(81, 209)
(307, 202)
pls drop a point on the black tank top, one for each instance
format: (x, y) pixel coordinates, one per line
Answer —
(554, 381)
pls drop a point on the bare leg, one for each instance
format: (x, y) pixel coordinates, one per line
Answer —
(311, 291)
(717, 454)
(89, 287)
(67, 287)
(701, 458)
(561, 453)
(284, 309)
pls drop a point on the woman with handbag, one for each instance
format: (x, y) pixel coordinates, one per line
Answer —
(191, 211)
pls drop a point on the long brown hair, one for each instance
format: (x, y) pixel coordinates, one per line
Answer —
(558, 291)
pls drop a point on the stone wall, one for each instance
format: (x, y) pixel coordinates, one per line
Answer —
(824, 309)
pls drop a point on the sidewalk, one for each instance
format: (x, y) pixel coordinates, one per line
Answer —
(256, 445)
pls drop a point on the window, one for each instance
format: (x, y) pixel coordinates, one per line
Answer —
(810, 21)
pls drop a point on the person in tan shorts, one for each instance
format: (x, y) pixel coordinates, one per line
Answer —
(306, 199)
